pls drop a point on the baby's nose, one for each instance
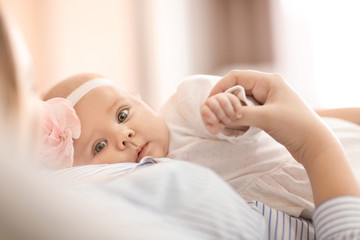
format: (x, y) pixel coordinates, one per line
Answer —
(124, 137)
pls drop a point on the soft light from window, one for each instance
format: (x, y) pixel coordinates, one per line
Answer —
(334, 46)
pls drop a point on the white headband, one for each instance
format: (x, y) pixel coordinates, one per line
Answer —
(83, 89)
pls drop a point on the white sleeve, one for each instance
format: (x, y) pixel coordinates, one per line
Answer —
(182, 110)
(338, 218)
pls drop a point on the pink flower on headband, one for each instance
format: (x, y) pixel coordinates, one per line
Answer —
(60, 126)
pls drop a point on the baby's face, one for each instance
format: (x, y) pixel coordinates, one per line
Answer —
(117, 127)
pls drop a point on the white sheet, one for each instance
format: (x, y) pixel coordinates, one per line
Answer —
(348, 134)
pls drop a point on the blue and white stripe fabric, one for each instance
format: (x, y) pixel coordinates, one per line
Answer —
(280, 225)
(338, 218)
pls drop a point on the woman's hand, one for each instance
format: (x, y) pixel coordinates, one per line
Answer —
(289, 120)
(281, 113)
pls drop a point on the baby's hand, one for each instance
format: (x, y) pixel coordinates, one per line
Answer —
(220, 111)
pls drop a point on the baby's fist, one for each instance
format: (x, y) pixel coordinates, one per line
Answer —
(220, 110)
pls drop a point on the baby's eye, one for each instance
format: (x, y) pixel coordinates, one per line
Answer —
(100, 146)
(123, 115)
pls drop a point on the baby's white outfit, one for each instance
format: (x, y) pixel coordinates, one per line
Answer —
(253, 163)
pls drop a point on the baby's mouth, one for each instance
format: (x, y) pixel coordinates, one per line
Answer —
(142, 152)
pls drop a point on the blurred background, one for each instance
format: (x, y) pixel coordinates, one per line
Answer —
(148, 46)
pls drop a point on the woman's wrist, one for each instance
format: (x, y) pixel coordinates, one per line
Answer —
(327, 167)
(317, 140)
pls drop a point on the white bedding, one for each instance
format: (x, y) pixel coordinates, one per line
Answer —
(348, 134)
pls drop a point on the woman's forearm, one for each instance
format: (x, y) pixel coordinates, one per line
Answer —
(328, 169)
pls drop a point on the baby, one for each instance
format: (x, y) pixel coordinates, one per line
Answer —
(117, 126)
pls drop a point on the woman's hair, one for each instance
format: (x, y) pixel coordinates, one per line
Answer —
(17, 108)
(9, 85)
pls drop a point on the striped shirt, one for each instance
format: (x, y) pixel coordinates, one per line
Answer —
(338, 218)
(280, 225)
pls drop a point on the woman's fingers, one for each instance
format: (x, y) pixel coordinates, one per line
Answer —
(256, 84)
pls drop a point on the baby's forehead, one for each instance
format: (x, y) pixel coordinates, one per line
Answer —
(101, 100)
(105, 96)
(97, 86)
(114, 90)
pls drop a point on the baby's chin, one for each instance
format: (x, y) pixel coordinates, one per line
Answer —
(160, 152)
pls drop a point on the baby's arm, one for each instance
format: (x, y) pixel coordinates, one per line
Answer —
(348, 114)
(219, 112)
